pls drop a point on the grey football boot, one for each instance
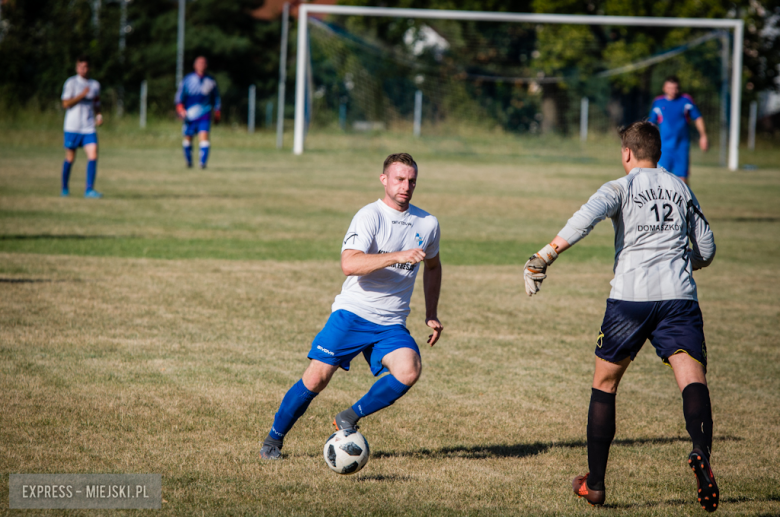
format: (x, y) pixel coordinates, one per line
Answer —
(346, 420)
(270, 451)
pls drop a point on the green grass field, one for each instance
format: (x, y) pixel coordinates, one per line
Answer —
(156, 330)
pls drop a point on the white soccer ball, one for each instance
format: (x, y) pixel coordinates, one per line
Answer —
(346, 451)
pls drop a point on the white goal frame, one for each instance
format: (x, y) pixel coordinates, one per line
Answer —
(738, 26)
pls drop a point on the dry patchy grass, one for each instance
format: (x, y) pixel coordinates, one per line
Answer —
(111, 362)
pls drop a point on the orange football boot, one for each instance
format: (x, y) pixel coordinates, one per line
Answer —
(581, 489)
(707, 492)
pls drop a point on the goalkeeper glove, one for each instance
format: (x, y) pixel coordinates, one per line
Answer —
(535, 270)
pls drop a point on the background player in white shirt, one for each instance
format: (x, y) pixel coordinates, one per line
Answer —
(381, 254)
(81, 99)
(656, 218)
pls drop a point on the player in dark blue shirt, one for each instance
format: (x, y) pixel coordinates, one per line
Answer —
(196, 99)
(671, 112)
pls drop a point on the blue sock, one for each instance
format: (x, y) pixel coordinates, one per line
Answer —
(383, 393)
(91, 173)
(187, 146)
(294, 404)
(66, 165)
(204, 152)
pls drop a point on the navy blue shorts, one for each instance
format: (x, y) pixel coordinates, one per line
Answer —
(195, 127)
(672, 326)
(345, 335)
(76, 140)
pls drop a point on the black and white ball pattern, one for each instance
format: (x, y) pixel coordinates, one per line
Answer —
(346, 451)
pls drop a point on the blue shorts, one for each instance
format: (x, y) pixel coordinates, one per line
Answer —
(195, 127)
(676, 159)
(345, 335)
(76, 140)
(672, 326)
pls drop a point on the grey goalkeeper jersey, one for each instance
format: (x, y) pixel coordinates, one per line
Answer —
(655, 216)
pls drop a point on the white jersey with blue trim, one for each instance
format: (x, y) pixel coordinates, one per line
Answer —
(656, 217)
(80, 118)
(383, 296)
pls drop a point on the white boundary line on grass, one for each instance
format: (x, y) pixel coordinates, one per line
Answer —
(570, 19)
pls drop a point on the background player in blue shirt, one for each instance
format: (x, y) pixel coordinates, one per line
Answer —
(196, 98)
(671, 113)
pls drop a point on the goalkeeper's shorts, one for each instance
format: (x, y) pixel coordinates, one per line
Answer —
(192, 128)
(672, 326)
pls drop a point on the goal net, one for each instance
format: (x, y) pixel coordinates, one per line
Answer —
(465, 78)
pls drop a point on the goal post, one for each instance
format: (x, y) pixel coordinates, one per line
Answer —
(561, 19)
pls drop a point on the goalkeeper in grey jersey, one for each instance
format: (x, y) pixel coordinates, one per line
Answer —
(661, 237)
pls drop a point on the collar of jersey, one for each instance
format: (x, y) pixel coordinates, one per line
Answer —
(392, 211)
(645, 169)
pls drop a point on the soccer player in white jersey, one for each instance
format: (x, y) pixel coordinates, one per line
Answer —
(81, 99)
(661, 237)
(380, 256)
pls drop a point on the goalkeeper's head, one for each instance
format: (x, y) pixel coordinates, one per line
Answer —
(641, 144)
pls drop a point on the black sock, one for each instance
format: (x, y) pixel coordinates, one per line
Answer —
(273, 441)
(601, 431)
(698, 416)
(349, 415)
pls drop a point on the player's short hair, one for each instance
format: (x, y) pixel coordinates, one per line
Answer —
(644, 140)
(83, 58)
(672, 79)
(404, 158)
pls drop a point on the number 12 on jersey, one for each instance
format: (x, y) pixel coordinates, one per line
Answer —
(667, 213)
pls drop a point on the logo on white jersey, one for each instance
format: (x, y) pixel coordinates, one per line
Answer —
(418, 239)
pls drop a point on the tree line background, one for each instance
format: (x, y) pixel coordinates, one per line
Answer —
(40, 39)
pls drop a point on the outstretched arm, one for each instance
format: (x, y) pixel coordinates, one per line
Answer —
(357, 263)
(604, 203)
(432, 288)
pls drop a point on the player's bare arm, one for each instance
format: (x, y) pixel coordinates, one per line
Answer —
(98, 113)
(357, 263)
(432, 289)
(704, 143)
(69, 103)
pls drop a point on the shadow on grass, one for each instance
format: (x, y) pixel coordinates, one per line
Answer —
(724, 500)
(523, 450)
(141, 196)
(47, 236)
(381, 477)
(24, 280)
(648, 504)
(745, 499)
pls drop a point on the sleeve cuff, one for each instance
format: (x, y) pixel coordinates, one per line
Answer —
(570, 235)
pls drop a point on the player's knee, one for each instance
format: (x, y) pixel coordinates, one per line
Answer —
(317, 376)
(409, 373)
